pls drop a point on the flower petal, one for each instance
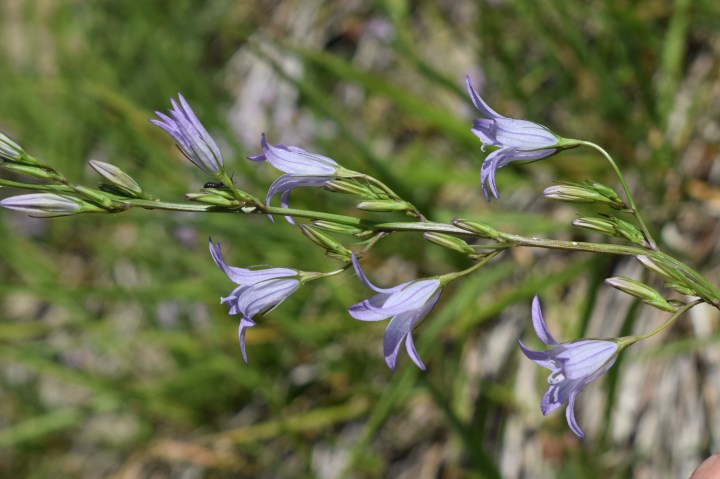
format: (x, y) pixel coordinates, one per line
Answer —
(401, 326)
(479, 103)
(296, 161)
(245, 323)
(541, 358)
(570, 416)
(366, 282)
(583, 358)
(370, 309)
(411, 297)
(499, 158)
(523, 134)
(245, 276)
(286, 183)
(541, 329)
(412, 352)
(262, 297)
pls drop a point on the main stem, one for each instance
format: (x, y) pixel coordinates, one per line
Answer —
(628, 194)
(706, 290)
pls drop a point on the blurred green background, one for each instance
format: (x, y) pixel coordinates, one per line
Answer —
(116, 358)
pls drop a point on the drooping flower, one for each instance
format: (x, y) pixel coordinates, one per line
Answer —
(258, 292)
(516, 140)
(190, 136)
(301, 168)
(574, 365)
(406, 304)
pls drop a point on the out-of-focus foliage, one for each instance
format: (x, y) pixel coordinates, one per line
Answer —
(116, 359)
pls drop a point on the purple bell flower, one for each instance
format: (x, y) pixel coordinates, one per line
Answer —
(574, 365)
(301, 168)
(190, 136)
(258, 292)
(406, 303)
(516, 140)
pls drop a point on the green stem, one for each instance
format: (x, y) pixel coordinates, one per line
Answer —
(628, 194)
(629, 340)
(447, 278)
(703, 287)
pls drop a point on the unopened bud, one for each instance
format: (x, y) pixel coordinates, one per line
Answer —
(680, 288)
(384, 205)
(47, 205)
(213, 199)
(642, 291)
(588, 192)
(596, 224)
(450, 242)
(630, 232)
(479, 229)
(95, 196)
(614, 227)
(334, 249)
(32, 171)
(336, 227)
(119, 181)
(350, 187)
(650, 264)
(9, 150)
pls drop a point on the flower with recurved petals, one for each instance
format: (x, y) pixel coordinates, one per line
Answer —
(574, 365)
(258, 292)
(301, 168)
(406, 304)
(191, 137)
(515, 140)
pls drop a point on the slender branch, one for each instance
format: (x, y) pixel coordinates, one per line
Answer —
(628, 194)
(629, 340)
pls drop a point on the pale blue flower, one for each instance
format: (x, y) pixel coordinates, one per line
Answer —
(574, 365)
(258, 292)
(301, 168)
(516, 140)
(406, 304)
(190, 136)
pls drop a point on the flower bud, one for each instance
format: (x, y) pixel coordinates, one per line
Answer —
(642, 291)
(680, 288)
(336, 227)
(9, 150)
(614, 227)
(334, 249)
(32, 171)
(630, 232)
(47, 205)
(589, 192)
(95, 196)
(450, 242)
(350, 187)
(479, 229)
(650, 264)
(213, 198)
(596, 224)
(384, 205)
(119, 181)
